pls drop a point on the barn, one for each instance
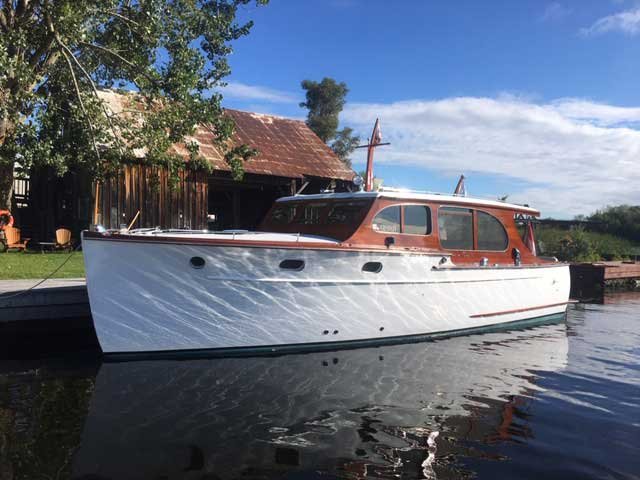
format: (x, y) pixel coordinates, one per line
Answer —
(290, 157)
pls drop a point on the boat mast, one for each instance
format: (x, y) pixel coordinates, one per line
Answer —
(374, 141)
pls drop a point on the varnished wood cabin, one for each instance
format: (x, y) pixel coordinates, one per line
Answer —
(470, 230)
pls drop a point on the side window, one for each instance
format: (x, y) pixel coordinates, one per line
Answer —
(417, 220)
(491, 233)
(283, 214)
(455, 227)
(346, 213)
(387, 220)
(312, 213)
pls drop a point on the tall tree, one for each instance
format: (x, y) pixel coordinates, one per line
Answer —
(344, 144)
(325, 100)
(56, 55)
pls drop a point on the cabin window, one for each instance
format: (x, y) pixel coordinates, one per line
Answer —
(312, 213)
(491, 233)
(348, 213)
(283, 214)
(455, 227)
(387, 220)
(417, 220)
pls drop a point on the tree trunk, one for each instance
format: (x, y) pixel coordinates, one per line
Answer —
(6, 169)
(6, 184)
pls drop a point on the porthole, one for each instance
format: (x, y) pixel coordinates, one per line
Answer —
(197, 262)
(296, 265)
(372, 267)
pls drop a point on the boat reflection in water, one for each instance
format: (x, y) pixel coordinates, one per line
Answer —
(354, 413)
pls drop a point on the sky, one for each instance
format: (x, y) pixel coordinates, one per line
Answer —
(538, 100)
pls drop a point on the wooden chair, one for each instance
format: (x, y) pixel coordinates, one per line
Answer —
(63, 239)
(14, 240)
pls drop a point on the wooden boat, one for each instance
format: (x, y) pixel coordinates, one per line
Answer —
(323, 271)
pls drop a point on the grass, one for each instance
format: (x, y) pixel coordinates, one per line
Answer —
(18, 265)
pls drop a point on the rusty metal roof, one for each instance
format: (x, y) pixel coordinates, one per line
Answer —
(287, 148)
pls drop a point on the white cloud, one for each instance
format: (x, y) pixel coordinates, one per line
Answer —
(243, 91)
(627, 22)
(577, 156)
(555, 11)
(597, 113)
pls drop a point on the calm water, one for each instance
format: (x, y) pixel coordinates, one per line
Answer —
(557, 401)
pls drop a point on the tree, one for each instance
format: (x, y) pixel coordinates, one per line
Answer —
(56, 56)
(621, 220)
(325, 101)
(344, 144)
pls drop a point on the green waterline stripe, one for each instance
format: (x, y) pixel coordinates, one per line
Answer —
(275, 350)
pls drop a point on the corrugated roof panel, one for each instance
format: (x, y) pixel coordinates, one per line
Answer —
(287, 147)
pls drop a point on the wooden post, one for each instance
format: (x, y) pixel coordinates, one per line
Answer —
(134, 220)
(96, 203)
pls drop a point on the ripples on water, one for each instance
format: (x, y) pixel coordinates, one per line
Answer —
(556, 401)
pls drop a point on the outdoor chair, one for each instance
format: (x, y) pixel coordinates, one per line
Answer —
(63, 239)
(12, 236)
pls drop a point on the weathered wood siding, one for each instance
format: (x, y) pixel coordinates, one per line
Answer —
(146, 188)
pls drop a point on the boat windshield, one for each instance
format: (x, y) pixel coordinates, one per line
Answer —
(337, 219)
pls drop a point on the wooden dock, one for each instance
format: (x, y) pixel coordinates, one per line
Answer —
(52, 318)
(589, 278)
(54, 298)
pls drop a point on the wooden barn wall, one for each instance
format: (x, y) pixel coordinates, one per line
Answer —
(146, 188)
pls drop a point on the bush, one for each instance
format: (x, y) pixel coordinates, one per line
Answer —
(622, 221)
(579, 245)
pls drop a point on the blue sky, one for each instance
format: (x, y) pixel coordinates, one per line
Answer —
(539, 100)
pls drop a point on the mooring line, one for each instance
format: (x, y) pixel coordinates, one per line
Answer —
(48, 277)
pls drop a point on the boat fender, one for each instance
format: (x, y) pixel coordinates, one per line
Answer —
(6, 219)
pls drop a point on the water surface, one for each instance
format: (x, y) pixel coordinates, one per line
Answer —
(555, 401)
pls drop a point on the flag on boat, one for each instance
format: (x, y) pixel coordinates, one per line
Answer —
(530, 239)
(460, 188)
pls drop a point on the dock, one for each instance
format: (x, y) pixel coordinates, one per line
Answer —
(53, 317)
(53, 299)
(587, 278)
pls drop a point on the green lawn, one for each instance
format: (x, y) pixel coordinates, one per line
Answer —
(18, 265)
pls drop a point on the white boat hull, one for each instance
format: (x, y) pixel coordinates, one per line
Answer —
(146, 297)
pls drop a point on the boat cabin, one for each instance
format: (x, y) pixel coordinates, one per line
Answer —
(471, 230)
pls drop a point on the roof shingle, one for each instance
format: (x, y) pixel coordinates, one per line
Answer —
(287, 148)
